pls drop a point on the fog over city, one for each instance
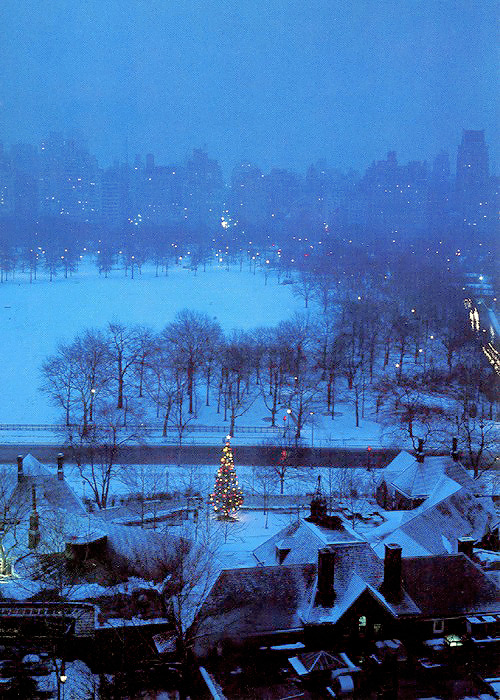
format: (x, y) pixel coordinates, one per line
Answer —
(279, 83)
(249, 350)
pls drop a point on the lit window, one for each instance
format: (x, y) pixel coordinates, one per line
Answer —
(453, 640)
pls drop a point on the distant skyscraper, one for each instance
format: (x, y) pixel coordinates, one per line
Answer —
(472, 163)
(473, 185)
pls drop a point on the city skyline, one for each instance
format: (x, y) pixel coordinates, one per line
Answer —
(277, 84)
(81, 143)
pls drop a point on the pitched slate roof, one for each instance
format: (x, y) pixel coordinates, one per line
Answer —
(449, 585)
(418, 479)
(303, 539)
(357, 569)
(51, 493)
(401, 462)
(244, 602)
(436, 525)
(265, 600)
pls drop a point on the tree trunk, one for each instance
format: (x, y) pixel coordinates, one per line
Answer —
(190, 373)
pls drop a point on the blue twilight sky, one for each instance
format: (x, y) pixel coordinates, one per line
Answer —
(277, 82)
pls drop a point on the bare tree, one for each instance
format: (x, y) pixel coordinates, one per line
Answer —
(329, 356)
(235, 363)
(13, 513)
(96, 451)
(408, 406)
(146, 350)
(185, 592)
(304, 286)
(301, 402)
(179, 418)
(187, 338)
(77, 377)
(144, 484)
(125, 349)
(57, 379)
(324, 290)
(351, 493)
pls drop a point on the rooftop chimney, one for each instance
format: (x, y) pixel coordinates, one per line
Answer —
(455, 455)
(34, 531)
(20, 473)
(60, 462)
(326, 577)
(392, 572)
(420, 451)
(465, 545)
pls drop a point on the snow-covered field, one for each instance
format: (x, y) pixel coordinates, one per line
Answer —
(35, 317)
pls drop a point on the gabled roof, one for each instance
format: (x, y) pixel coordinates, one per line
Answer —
(396, 466)
(436, 526)
(266, 600)
(417, 479)
(449, 585)
(245, 602)
(357, 569)
(32, 467)
(303, 539)
(51, 492)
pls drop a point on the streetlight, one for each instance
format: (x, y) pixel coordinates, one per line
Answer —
(92, 393)
(61, 678)
(311, 413)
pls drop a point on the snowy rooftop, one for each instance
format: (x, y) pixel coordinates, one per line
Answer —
(303, 539)
(436, 525)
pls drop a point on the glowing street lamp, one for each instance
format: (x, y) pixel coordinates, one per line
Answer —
(92, 394)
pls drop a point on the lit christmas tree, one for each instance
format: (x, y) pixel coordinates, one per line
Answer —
(227, 496)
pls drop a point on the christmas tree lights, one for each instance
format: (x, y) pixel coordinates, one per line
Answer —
(227, 496)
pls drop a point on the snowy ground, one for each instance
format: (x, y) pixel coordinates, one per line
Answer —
(35, 317)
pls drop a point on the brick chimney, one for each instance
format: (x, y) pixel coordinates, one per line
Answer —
(455, 454)
(465, 545)
(392, 572)
(60, 470)
(34, 531)
(420, 451)
(326, 577)
(20, 473)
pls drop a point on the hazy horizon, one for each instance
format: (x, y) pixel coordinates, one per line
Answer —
(279, 84)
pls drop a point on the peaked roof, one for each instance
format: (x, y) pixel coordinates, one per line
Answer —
(357, 569)
(51, 493)
(303, 539)
(449, 585)
(419, 479)
(32, 467)
(244, 602)
(247, 602)
(396, 466)
(436, 525)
